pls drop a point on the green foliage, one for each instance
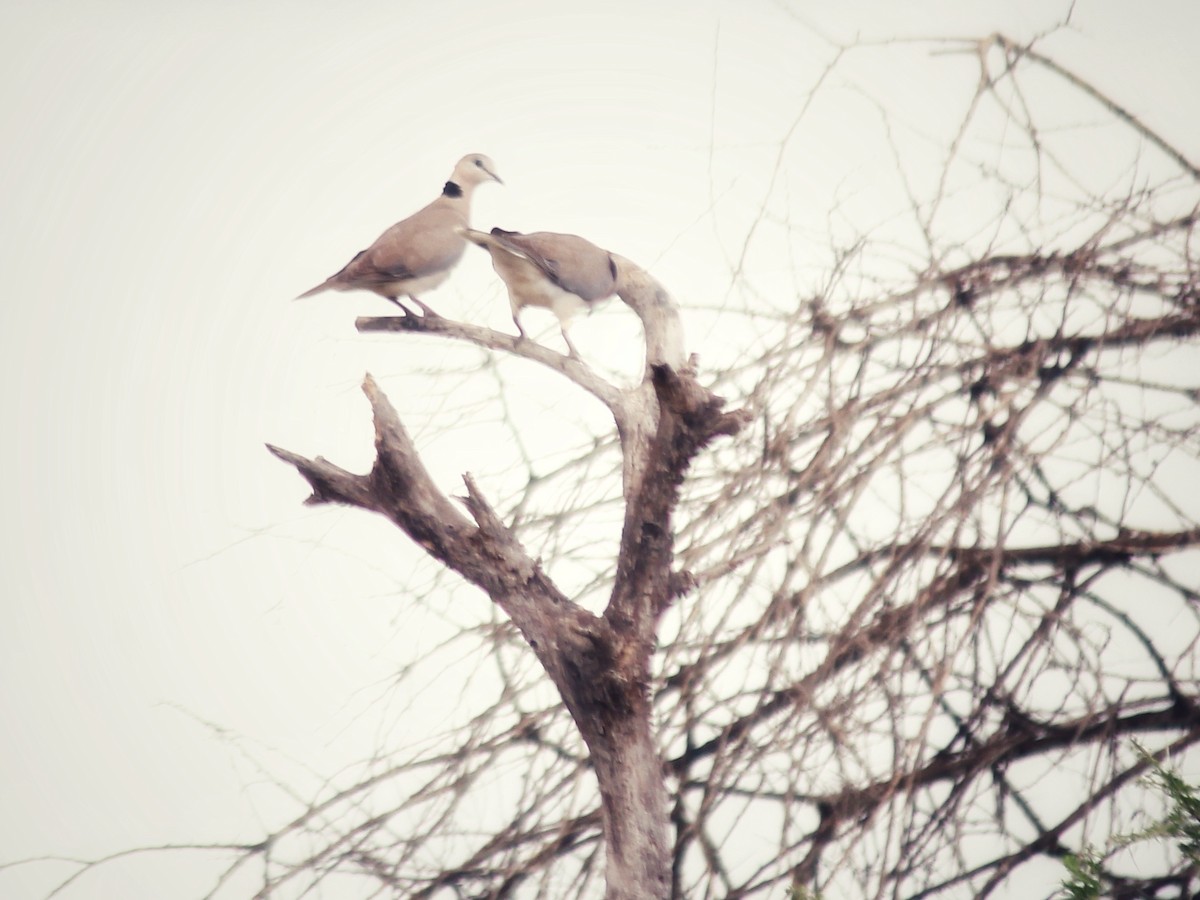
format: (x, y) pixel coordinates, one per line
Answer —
(1181, 824)
(1083, 881)
(799, 892)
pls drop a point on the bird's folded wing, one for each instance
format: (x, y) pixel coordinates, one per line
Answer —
(423, 244)
(574, 264)
(372, 267)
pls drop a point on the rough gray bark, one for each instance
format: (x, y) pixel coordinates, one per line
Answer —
(599, 664)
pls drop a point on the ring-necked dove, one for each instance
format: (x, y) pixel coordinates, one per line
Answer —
(560, 272)
(417, 254)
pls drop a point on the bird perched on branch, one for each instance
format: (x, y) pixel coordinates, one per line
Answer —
(559, 272)
(417, 254)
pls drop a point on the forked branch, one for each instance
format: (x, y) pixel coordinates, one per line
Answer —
(600, 666)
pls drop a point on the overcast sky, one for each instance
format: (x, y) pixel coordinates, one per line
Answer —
(172, 174)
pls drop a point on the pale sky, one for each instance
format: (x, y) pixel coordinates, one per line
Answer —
(172, 174)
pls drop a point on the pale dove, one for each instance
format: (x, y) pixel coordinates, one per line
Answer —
(560, 272)
(417, 254)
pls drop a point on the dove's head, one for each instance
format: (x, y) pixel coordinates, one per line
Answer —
(473, 169)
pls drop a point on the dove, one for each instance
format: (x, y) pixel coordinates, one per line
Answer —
(563, 273)
(417, 253)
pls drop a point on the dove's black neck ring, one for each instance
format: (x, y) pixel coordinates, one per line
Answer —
(452, 190)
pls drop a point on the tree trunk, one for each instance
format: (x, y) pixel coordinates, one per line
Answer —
(601, 665)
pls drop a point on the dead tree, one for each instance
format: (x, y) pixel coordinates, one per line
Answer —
(926, 587)
(600, 665)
